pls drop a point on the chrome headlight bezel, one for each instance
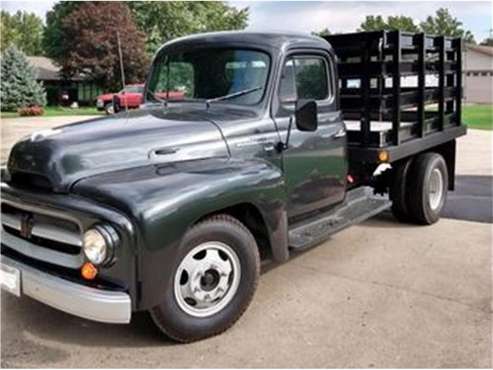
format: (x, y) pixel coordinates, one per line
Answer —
(99, 243)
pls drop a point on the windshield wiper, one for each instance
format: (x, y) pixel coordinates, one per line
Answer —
(158, 99)
(233, 95)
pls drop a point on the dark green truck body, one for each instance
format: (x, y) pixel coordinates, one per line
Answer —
(155, 172)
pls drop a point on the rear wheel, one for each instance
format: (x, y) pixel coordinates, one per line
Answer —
(399, 189)
(428, 185)
(215, 277)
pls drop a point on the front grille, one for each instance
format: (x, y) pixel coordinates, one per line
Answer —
(41, 235)
(30, 181)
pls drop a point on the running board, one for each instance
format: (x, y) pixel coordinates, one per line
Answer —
(360, 205)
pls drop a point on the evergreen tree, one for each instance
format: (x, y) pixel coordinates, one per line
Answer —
(19, 87)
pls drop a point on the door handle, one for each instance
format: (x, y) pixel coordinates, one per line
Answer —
(340, 133)
(269, 147)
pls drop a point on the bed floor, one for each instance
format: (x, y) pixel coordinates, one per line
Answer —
(375, 126)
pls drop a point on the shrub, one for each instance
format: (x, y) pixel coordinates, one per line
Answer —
(30, 111)
(19, 87)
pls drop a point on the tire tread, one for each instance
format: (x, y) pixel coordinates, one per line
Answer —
(415, 199)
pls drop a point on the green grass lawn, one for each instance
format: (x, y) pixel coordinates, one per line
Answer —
(60, 111)
(478, 116)
(475, 116)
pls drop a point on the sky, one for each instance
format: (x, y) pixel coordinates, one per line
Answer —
(338, 16)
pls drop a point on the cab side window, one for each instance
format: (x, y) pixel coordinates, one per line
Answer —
(287, 87)
(311, 78)
(304, 77)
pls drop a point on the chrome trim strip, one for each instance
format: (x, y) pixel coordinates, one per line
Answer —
(11, 221)
(43, 254)
(44, 230)
(43, 211)
(55, 233)
(79, 300)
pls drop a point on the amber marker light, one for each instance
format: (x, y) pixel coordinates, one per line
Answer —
(383, 156)
(88, 271)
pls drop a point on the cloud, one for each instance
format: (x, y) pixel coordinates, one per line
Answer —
(37, 7)
(338, 16)
(344, 16)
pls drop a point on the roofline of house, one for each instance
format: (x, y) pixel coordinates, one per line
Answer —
(487, 50)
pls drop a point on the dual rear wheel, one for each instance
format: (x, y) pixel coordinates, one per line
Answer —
(419, 189)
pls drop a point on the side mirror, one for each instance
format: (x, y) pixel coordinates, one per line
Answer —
(306, 115)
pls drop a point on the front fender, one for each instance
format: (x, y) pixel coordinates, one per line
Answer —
(165, 200)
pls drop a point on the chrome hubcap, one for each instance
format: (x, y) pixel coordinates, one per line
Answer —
(207, 279)
(435, 190)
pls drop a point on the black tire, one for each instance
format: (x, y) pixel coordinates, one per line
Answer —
(418, 199)
(179, 325)
(109, 109)
(398, 191)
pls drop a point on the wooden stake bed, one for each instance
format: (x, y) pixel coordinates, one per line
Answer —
(398, 87)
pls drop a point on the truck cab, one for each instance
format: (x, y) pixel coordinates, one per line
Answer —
(170, 208)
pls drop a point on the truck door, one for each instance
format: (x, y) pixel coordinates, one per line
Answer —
(315, 163)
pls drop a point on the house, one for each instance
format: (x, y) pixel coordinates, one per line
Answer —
(79, 90)
(478, 74)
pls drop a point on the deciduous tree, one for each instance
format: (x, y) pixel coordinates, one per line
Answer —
(89, 44)
(165, 20)
(23, 30)
(443, 23)
(399, 22)
(53, 36)
(324, 32)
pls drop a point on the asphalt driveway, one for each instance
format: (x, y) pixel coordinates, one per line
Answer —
(380, 294)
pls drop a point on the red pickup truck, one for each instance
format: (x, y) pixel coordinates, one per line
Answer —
(130, 96)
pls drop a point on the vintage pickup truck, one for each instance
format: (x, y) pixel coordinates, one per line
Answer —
(172, 207)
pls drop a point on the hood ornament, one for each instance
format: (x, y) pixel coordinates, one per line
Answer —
(43, 134)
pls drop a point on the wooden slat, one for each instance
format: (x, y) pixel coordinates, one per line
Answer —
(365, 108)
(458, 84)
(420, 40)
(396, 87)
(441, 80)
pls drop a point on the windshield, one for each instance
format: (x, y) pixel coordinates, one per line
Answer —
(132, 89)
(237, 76)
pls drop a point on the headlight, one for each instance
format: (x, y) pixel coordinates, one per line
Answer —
(99, 243)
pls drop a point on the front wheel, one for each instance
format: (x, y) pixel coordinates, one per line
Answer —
(214, 278)
(428, 185)
(109, 109)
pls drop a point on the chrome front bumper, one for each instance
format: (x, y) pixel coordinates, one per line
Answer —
(89, 303)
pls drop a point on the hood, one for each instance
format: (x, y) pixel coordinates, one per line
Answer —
(66, 154)
(105, 96)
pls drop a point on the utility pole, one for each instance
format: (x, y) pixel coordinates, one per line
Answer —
(122, 71)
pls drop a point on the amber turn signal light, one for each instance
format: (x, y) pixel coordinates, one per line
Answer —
(383, 156)
(88, 271)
